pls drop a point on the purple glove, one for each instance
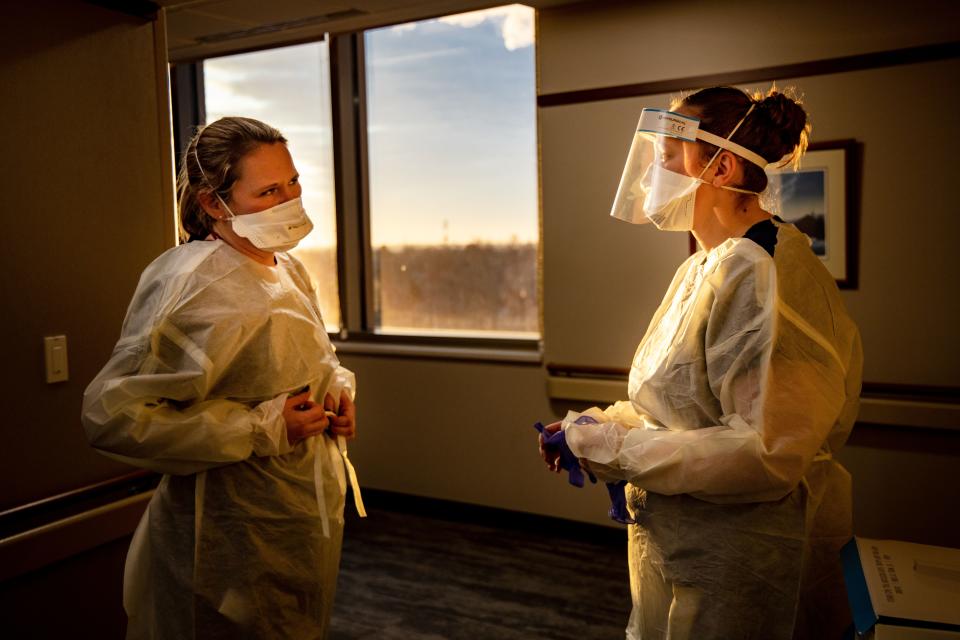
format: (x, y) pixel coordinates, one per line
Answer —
(618, 503)
(557, 442)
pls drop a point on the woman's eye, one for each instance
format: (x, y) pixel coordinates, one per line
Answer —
(268, 191)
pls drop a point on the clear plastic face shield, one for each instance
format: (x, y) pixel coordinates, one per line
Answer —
(655, 186)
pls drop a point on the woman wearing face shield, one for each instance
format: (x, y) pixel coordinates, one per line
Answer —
(225, 381)
(742, 390)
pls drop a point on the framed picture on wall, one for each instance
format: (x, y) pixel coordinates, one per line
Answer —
(820, 198)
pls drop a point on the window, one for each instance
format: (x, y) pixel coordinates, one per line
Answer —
(452, 157)
(436, 172)
(289, 88)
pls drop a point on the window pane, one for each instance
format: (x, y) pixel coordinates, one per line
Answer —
(289, 88)
(451, 117)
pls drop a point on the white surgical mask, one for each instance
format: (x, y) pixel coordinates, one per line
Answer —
(669, 198)
(278, 228)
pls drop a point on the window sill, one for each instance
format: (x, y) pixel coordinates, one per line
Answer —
(517, 351)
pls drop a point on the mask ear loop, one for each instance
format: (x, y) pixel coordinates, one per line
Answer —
(196, 157)
(719, 149)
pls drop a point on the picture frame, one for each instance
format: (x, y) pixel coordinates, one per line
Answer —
(821, 199)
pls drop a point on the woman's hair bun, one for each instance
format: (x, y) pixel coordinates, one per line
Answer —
(788, 120)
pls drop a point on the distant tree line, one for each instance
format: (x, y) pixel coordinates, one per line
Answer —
(484, 287)
(475, 287)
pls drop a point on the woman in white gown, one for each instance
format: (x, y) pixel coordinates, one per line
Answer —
(742, 390)
(225, 381)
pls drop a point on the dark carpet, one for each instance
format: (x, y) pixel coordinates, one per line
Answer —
(421, 569)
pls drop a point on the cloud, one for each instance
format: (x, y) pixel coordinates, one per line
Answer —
(223, 91)
(517, 29)
(516, 23)
(383, 61)
(224, 99)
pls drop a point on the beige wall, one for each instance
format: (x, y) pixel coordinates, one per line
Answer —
(599, 44)
(461, 431)
(86, 208)
(87, 205)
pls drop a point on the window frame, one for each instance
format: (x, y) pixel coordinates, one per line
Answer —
(347, 72)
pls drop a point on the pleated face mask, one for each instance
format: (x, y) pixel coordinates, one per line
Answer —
(279, 228)
(669, 198)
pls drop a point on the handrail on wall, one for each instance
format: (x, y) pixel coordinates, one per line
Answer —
(880, 403)
(63, 505)
(40, 533)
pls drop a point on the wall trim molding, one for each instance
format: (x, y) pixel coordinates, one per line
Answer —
(859, 62)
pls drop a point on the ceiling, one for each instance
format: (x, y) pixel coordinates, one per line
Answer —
(204, 28)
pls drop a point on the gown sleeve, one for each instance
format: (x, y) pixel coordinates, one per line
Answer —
(147, 407)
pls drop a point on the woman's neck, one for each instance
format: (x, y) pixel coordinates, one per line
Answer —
(243, 246)
(721, 223)
(263, 257)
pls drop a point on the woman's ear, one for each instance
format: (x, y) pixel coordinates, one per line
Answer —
(726, 169)
(211, 204)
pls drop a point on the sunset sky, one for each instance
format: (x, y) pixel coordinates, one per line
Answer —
(451, 125)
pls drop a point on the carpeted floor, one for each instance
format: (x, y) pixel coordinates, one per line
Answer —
(422, 570)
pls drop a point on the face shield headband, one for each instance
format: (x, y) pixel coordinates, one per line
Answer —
(651, 192)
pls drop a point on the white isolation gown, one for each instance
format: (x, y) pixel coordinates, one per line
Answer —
(212, 345)
(745, 384)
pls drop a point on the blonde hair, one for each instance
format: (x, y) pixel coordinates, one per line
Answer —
(210, 164)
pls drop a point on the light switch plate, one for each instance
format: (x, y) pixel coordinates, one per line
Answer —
(55, 350)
